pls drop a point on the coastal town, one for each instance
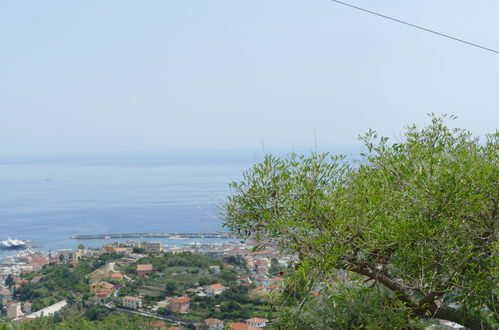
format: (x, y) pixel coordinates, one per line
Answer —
(190, 286)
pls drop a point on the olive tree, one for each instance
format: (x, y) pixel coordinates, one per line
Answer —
(419, 217)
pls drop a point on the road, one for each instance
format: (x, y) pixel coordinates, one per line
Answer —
(151, 316)
(48, 310)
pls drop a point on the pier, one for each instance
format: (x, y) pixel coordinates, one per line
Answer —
(157, 235)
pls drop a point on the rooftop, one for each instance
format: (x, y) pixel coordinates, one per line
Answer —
(256, 320)
(146, 267)
(180, 300)
(242, 326)
(132, 298)
(217, 286)
(213, 321)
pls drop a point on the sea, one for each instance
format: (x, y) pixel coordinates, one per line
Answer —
(49, 198)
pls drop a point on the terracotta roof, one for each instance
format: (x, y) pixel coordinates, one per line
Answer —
(158, 323)
(217, 286)
(213, 321)
(239, 251)
(277, 278)
(263, 252)
(103, 293)
(242, 326)
(180, 300)
(256, 320)
(116, 275)
(106, 285)
(146, 267)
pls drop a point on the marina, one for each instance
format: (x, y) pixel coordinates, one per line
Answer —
(171, 236)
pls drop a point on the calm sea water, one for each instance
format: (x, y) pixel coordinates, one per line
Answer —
(48, 199)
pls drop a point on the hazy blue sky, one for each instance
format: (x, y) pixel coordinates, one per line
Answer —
(149, 75)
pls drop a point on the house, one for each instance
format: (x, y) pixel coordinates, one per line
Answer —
(180, 304)
(27, 307)
(101, 296)
(199, 291)
(214, 269)
(241, 326)
(245, 279)
(37, 279)
(14, 310)
(101, 286)
(158, 325)
(154, 247)
(116, 276)
(122, 250)
(263, 281)
(257, 322)
(215, 289)
(260, 263)
(131, 302)
(5, 296)
(143, 270)
(65, 255)
(214, 324)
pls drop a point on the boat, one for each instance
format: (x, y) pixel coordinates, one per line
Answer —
(177, 238)
(13, 244)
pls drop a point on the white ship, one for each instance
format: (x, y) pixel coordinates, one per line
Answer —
(177, 238)
(12, 244)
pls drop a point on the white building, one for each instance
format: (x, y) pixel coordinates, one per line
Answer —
(214, 324)
(132, 302)
(14, 310)
(257, 322)
(215, 289)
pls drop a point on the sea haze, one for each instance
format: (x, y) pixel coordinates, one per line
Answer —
(47, 199)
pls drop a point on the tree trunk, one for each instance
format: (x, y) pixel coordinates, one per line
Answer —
(455, 315)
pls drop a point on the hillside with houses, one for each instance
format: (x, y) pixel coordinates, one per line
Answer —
(208, 287)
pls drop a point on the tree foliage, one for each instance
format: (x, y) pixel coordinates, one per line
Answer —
(111, 322)
(419, 217)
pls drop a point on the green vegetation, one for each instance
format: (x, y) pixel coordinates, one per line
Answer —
(235, 304)
(111, 322)
(178, 272)
(168, 262)
(418, 218)
(61, 282)
(354, 307)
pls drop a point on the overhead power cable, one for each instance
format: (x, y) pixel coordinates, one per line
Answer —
(416, 26)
